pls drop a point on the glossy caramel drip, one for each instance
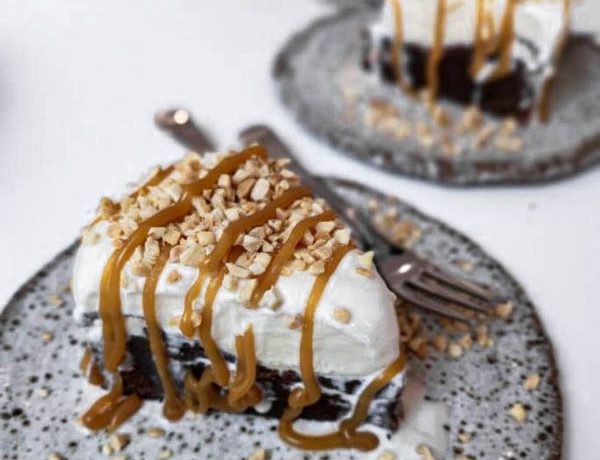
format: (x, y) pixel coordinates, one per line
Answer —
(485, 36)
(284, 254)
(90, 368)
(111, 409)
(436, 52)
(113, 325)
(186, 324)
(398, 41)
(173, 407)
(86, 359)
(506, 38)
(311, 392)
(95, 376)
(347, 435)
(544, 103)
(243, 392)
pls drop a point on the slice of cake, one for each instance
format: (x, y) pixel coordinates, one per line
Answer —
(222, 284)
(497, 54)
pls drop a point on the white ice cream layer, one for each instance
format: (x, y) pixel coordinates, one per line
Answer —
(367, 343)
(540, 23)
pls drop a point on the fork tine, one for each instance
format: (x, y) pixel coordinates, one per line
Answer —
(428, 303)
(450, 295)
(461, 285)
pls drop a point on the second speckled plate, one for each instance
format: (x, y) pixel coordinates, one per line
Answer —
(43, 392)
(320, 79)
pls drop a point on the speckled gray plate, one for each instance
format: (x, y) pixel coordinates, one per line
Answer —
(320, 80)
(478, 388)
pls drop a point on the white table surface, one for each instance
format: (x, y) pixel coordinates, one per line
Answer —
(81, 80)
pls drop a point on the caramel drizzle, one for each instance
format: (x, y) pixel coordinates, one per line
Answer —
(483, 37)
(436, 52)
(311, 392)
(173, 407)
(544, 104)
(90, 368)
(243, 391)
(284, 253)
(225, 243)
(506, 38)
(111, 409)
(346, 436)
(398, 41)
(113, 324)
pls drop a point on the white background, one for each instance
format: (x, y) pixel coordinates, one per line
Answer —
(81, 80)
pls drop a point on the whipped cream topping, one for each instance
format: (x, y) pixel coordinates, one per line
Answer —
(366, 344)
(540, 23)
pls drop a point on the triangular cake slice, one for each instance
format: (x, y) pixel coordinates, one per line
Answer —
(221, 283)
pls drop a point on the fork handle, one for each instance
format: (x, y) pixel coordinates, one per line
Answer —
(181, 126)
(354, 218)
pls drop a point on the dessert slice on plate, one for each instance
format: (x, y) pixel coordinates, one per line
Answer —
(497, 54)
(223, 284)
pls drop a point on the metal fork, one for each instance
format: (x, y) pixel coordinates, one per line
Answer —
(411, 278)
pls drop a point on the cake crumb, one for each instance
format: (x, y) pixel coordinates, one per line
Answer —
(518, 412)
(118, 441)
(260, 454)
(419, 346)
(89, 236)
(531, 382)
(341, 315)
(387, 455)
(155, 432)
(504, 310)
(425, 452)
(173, 276)
(466, 341)
(165, 453)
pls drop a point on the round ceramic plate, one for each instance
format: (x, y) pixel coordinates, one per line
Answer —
(320, 79)
(468, 399)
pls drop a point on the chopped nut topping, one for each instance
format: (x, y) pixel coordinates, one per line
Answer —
(55, 456)
(440, 343)
(465, 265)
(483, 136)
(155, 432)
(260, 454)
(455, 350)
(294, 321)
(192, 255)
(55, 300)
(518, 412)
(43, 392)
(387, 455)
(531, 382)
(173, 276)
(237, 271)
(504, 310)
(260, 189)
(272, 299)
(341, 315)
(425, 452)
(47, 337)
(364, 272)
(196, 318)
(260, 264)
(165, 454)
(419, 346)
(471, 120)
(118, 441)
(107, 450)
(247, 289)
(174, 320)
(89, 236)
(509, 144)
(440, 116)
(466, 341)
(230, 282)
(464, 437)
(317, 268)
(205, 238)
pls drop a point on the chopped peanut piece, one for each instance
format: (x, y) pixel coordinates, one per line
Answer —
(341, 315)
